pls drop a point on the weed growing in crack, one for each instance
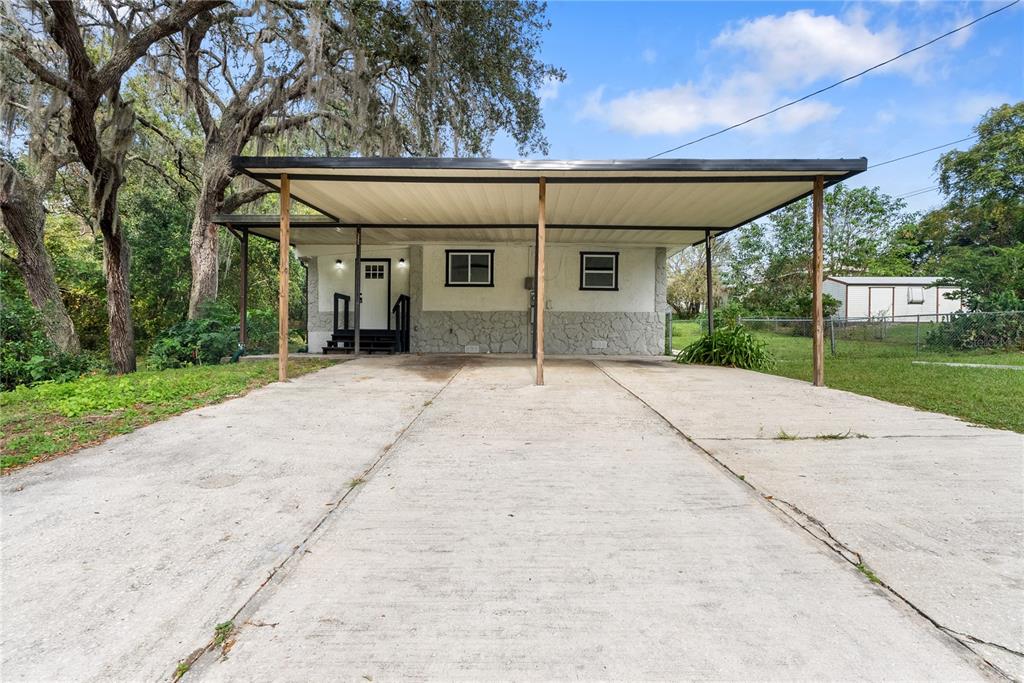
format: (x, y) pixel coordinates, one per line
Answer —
(783, 435)
(182, 669)
(850, 434)
(866, 571)
(222, 631)
(356, 482)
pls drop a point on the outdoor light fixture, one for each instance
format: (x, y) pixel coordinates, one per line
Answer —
(339, 263)
(401, 263)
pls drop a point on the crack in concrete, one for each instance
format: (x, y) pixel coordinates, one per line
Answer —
(205, 655)
(854, 437)
(829, 540)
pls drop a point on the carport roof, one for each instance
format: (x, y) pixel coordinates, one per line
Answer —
(668, 202)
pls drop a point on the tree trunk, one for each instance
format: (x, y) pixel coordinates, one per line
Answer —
(105, 187)
(23, 217)
(116, 262)
(204, 243)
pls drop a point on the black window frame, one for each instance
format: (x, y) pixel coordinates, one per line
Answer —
(469, 252)
(615, 271)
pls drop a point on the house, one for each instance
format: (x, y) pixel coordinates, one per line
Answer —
(865, 296)
(452, 255)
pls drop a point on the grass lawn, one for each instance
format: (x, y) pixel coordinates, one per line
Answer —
(990, 397)
(48, 420)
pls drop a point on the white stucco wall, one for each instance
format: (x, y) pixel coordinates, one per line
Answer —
(513, 263)
(636, 281)
(628, 320)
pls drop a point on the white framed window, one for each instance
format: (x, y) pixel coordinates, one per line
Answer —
(373, 271)
(469, 268)
(915, 295)
(599, 270)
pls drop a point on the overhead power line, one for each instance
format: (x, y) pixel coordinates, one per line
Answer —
(914, 193)
(838, 83)
(923, 151)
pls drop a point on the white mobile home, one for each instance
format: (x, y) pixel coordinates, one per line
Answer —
(890, 297)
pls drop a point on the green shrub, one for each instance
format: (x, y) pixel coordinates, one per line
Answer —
(732, 346)
(728, 315)
(262, 328)
(27, 357)
(967, 331)
(801, 305)
(203, 341)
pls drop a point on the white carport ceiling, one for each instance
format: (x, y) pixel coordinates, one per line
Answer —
(659, 202)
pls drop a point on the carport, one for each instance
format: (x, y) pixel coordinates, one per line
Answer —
(635, 202)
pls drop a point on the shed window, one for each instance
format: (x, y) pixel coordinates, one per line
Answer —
(469, 268)
(599, 270)
(915, 295)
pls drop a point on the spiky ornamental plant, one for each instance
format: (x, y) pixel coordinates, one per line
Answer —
(732, 346)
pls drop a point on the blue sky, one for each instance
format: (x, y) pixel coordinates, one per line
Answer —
(643, 77)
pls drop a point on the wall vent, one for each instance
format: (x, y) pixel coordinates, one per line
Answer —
(472, 348)
(599, 344)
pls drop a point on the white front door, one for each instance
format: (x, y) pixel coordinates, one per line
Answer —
(375, 310)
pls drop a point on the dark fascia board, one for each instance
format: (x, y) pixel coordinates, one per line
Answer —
(532, 180)
(846, 166)
(272, 220)
(273, 223)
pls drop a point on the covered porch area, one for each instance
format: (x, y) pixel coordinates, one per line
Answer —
(484, 256)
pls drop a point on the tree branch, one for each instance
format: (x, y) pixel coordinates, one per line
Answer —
(286, 123)
(21, 52)
(243, 197)
(139, 44)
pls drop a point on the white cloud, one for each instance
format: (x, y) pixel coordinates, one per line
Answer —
(686, 107)
(780, 56)
(801, 47)
(649, 56)
(969, 108)
(549, 89)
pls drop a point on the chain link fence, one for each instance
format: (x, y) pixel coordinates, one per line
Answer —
(907, 334)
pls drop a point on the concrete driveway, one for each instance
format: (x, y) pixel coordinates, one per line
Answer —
(440, 517)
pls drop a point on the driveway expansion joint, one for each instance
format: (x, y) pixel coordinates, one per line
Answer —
(831, 438)
(207, 654)
(789, 510)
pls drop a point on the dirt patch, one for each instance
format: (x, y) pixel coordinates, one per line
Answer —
(434, 368)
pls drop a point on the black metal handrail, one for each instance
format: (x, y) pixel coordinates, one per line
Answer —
(338, 297)
(401, 312)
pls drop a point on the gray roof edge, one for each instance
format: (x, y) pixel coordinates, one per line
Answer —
(848, 166)
(264, 220)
